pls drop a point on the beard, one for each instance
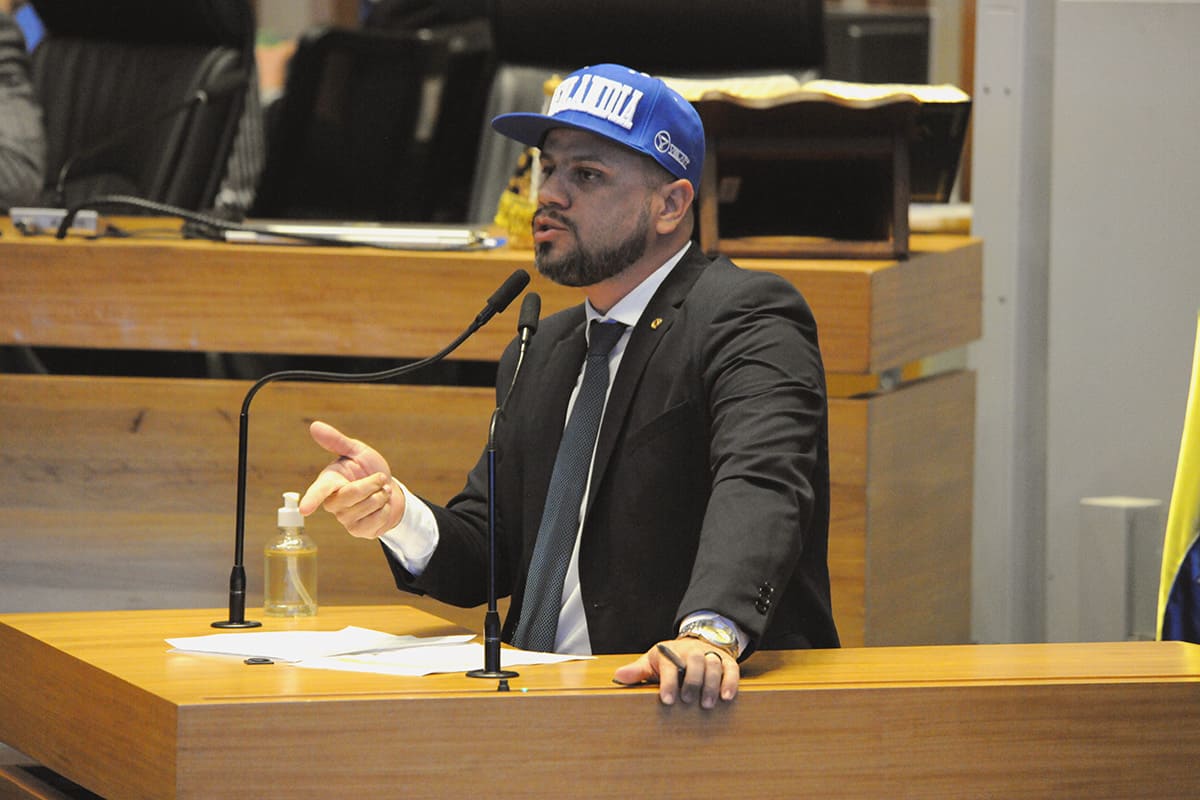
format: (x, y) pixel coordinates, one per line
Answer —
(583, 266)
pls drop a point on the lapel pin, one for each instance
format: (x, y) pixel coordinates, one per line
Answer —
(655, 323)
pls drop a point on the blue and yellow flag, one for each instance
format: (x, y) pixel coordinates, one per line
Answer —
(1179, 586)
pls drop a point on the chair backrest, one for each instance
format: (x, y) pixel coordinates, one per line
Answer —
(120, 84)
(375, 125)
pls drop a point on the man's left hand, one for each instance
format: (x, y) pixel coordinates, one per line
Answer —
(709, 673)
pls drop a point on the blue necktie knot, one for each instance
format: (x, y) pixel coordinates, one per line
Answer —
(603, 337)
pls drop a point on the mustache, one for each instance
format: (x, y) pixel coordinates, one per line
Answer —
(551, 214)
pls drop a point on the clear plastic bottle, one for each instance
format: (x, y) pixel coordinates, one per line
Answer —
(290, 573)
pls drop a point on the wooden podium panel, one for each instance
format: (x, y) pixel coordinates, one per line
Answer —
(899, 534)
(98, 698)
(121, 493)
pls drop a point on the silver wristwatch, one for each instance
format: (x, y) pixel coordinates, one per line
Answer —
(713, 631)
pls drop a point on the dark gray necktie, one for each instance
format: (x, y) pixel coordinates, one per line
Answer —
(540, 608)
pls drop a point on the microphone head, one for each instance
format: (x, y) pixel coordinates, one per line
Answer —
(508, 291)
(502, 297)
(531, 310)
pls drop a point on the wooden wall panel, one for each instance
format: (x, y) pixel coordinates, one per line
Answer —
(120, 493)
(918, 570)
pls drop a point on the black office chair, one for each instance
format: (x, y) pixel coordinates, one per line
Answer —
(376, 125)
(142, 97)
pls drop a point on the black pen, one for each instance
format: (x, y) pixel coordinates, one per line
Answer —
(674, 659)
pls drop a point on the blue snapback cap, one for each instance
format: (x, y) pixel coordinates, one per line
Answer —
(625, 106)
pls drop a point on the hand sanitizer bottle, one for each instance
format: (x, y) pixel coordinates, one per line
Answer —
(290, 574)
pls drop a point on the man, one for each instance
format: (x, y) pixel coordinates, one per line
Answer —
(702, 534)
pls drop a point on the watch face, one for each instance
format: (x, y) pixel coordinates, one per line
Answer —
(717, 634)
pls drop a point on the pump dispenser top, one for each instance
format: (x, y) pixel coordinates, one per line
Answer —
(289, 514)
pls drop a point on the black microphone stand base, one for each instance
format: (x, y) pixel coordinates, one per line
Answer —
(491, 650)
(492, 673)
(237, 576)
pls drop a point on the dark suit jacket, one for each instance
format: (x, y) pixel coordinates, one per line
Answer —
(710, 488)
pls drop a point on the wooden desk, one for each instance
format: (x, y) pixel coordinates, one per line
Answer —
(98, 698)
(873, 315)
(119, 492)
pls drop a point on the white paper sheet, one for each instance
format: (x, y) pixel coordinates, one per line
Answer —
(300, 645)
(354, 649)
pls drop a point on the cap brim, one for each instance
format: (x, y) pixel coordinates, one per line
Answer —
(529, 129)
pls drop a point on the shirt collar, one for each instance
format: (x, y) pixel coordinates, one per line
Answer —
(629, 308)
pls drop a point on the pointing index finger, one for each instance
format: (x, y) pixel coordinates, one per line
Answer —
(319, 491)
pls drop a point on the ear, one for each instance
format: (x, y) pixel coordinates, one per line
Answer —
(675, 203)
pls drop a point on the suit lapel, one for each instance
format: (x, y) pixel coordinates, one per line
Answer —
(650, 331)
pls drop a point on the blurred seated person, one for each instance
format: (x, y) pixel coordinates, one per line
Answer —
(22, 137)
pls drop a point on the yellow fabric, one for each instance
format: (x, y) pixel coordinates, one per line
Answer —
(1185, 497)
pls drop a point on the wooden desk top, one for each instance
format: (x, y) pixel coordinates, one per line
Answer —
(98, 697)
(174, 294)
(131, 645)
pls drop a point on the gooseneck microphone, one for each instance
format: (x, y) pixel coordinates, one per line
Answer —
(527, 323)
(495, 304)
(221, 86)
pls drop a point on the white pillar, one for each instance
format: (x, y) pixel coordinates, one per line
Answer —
(1010, 196)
